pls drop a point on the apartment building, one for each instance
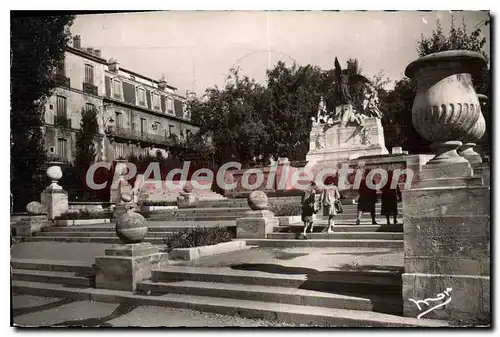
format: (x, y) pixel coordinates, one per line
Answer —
(137, 115)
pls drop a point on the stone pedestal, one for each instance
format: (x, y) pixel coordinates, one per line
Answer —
(55, 201)
(339, 143)
(123, 266)
(31, 224)
(447, 245)
(257, 224)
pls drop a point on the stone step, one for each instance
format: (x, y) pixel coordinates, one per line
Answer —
(52, 265)
(340, 227)
(388, 279)
(341, 235)
(251, 309)
(284, 295)
(59, 277)
(323, 243)
(107, 234)
(153, 217)
(153, 240)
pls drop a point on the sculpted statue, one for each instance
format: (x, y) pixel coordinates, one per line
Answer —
(345, 110)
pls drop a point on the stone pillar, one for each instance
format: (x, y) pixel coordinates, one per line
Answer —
(124, 265)
(54, 198)
(259, 222)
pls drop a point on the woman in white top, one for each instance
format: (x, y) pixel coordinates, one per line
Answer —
(328, 197)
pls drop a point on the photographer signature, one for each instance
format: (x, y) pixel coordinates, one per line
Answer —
(439, 297)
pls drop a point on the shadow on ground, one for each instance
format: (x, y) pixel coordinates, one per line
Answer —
(28, 310)
(122, 309)
(386, 297)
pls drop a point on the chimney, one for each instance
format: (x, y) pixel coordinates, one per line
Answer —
(162, 84)
(113, 65)
(90, 50)
(77, 42)
(97, 52)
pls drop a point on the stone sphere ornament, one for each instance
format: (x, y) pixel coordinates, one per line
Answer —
(188, 187)
(446, 107)
(257, 200)
(131, 227)
(35, 208)
(54, 172)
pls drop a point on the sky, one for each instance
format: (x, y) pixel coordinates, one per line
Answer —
(195, 49)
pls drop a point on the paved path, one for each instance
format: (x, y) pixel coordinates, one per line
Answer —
(32, 311)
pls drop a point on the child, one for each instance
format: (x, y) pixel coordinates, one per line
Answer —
(309, 207)
(328, 197)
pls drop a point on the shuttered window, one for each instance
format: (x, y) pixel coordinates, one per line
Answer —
(61, 106)
(141, 97)
(89, 74)
(62, 146)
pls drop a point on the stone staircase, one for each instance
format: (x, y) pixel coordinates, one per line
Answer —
(224, 213)
(333, 298)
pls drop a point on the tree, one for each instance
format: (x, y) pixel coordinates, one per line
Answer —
(37, 47)
(232, 119)
(294, 94)
(85, 148)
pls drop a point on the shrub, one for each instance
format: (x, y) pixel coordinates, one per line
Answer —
(286, 210)
(85, 214)
(196, 237)
(159, 203)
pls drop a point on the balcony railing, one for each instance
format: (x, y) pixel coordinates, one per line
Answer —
(62, 121)
(89, 88)
(151, 138)
(62, 81)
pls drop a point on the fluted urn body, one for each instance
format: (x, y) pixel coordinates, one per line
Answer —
(446, 108)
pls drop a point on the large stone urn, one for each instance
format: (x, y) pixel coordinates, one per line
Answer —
(446, 108)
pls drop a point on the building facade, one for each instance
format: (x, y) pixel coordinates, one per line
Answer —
(137, 115)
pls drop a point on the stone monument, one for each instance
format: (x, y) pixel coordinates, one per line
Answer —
(54, 197)
(346, 133)
(259, 222)
(124, 265)
(446, 211)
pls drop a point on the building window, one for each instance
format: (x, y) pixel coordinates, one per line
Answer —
(156, 101)
(188, 135)
(61, 106)
(120, 150)
(89, 107)
(117, 89)
(119, 120)
(89, 74)
(62, 146)
(141, 97)
(170, 105)
(170, 128)
(143, 125)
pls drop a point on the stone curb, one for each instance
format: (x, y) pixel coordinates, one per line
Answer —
(82, 222)
(197, 252)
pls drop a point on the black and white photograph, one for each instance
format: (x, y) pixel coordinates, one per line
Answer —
(251, 168)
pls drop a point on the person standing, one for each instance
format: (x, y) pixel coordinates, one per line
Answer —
(390, 199)
(328, 198)
(366, 202)
(309, 207)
